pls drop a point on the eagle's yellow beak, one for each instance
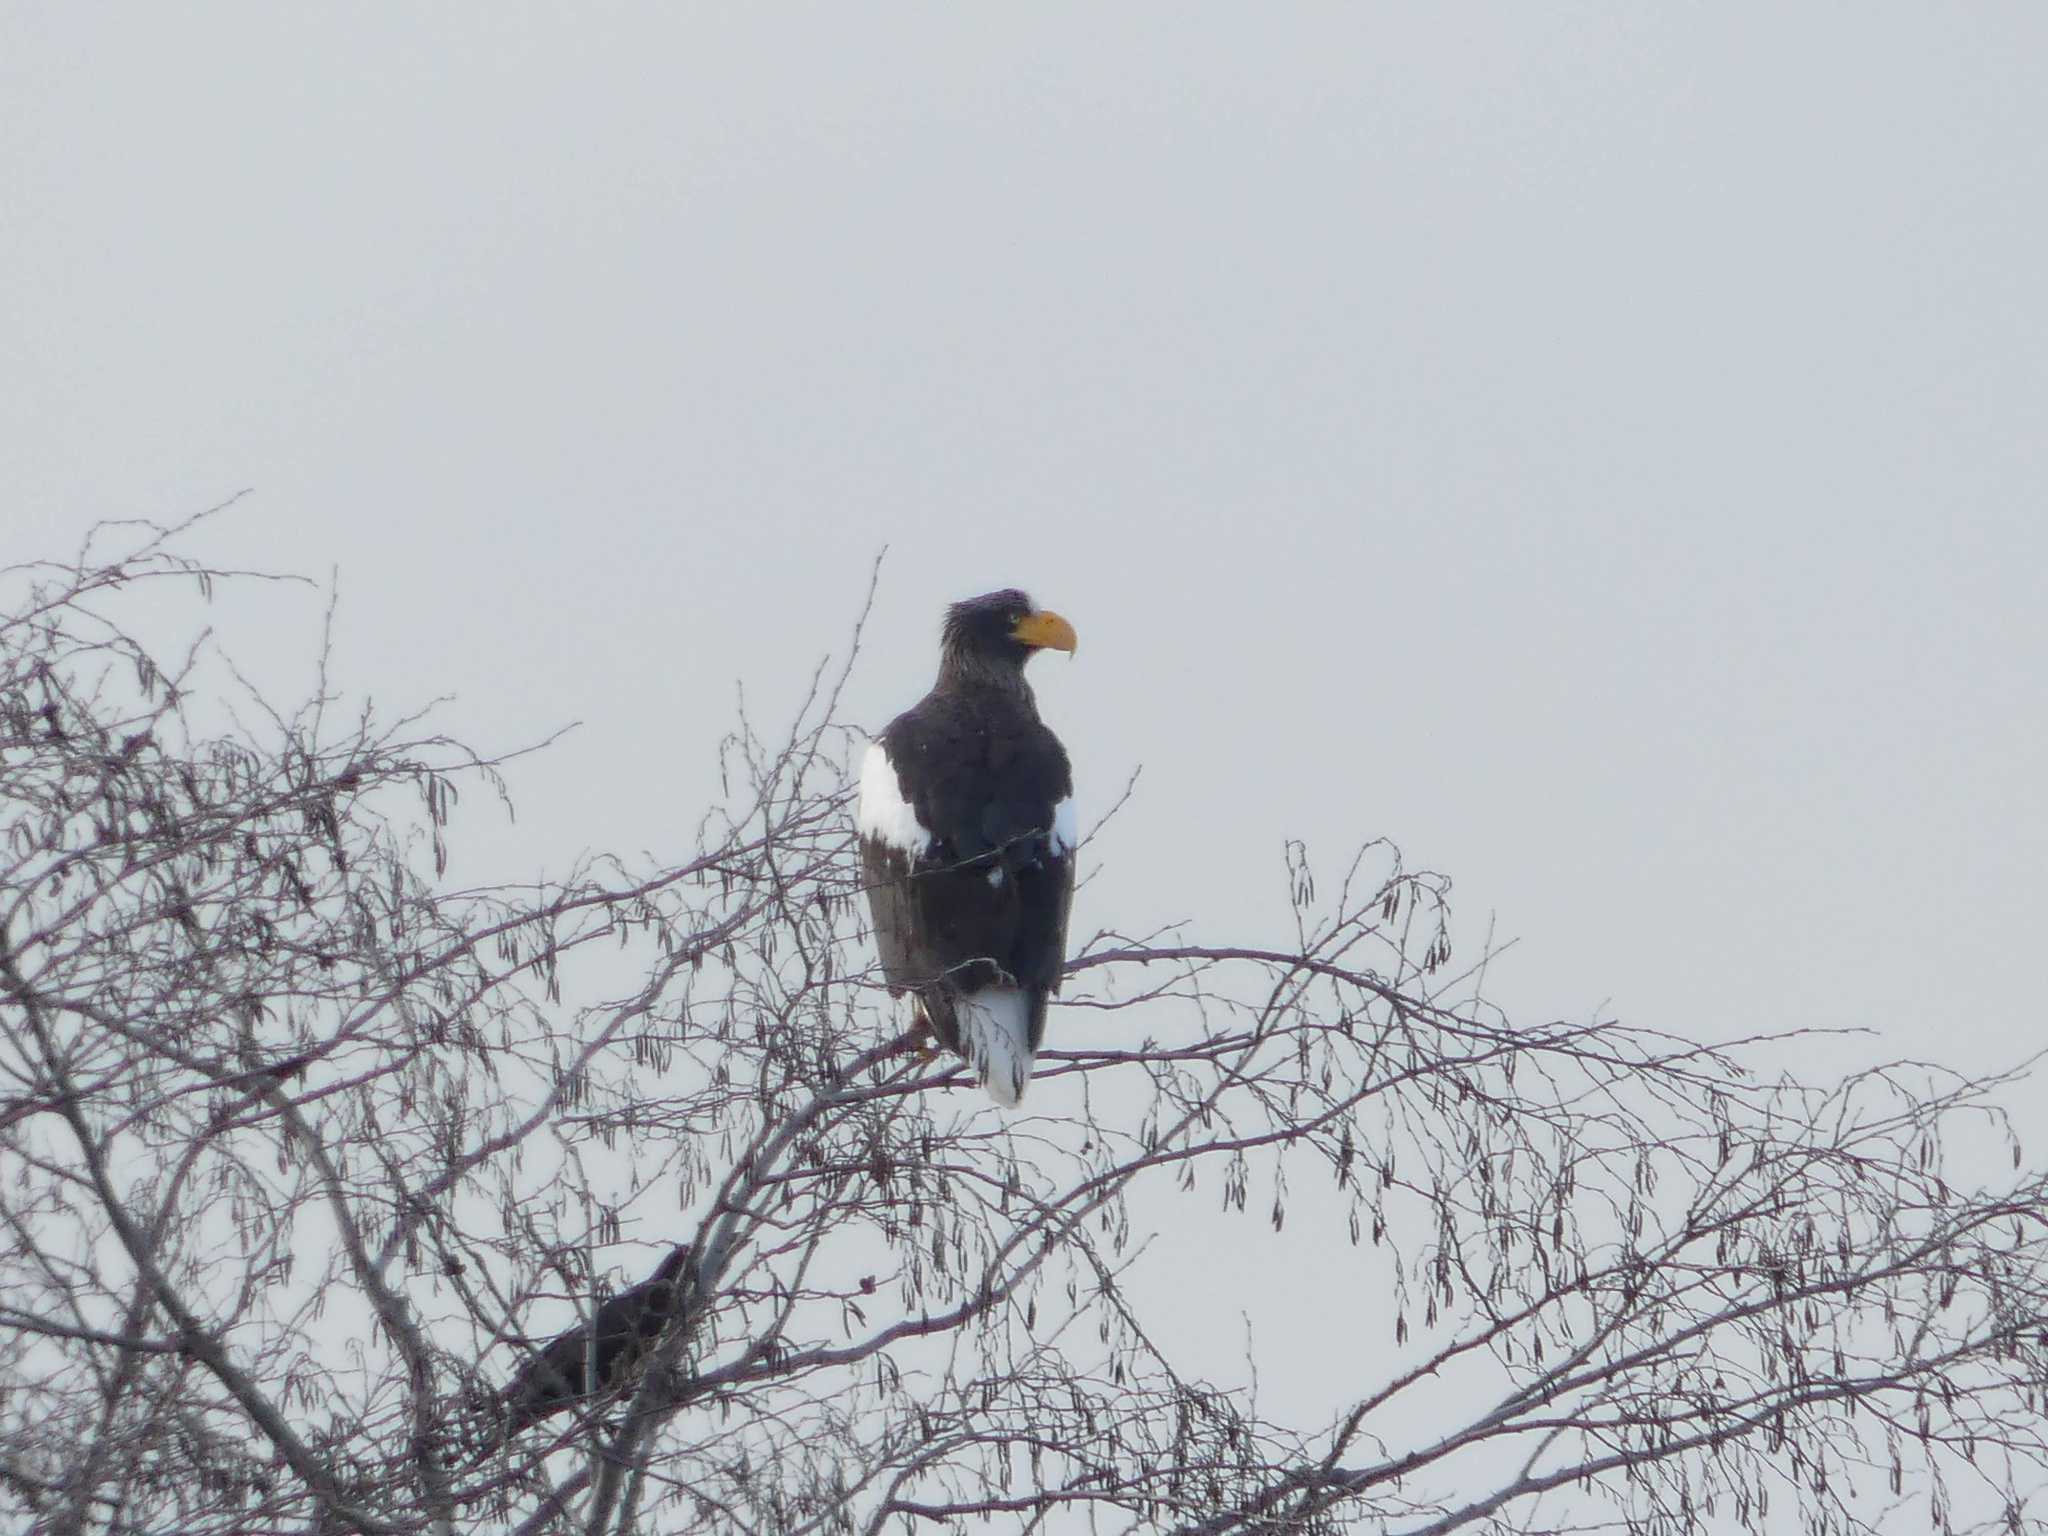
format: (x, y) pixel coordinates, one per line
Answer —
(1045, 631)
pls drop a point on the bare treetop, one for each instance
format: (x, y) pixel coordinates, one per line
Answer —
(315, 1170)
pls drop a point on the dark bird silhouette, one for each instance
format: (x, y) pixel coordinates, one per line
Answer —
(967, 836)
(616, 1340)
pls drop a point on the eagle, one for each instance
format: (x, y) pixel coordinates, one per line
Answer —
(967, 837)
(616, 1340)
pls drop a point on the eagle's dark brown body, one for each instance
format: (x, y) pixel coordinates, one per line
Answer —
(626, 1326)
(967, 843)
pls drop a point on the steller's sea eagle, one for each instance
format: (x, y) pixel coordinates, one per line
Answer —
(967, 837)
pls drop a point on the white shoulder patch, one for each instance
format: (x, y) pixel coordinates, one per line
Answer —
(1066, 827)
(884, 814)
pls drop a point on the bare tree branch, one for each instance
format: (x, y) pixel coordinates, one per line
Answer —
(305, 1151)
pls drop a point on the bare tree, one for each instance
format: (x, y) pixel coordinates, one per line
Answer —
(307, 1157)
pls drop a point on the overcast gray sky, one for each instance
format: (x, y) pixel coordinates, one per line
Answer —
(1598, 447)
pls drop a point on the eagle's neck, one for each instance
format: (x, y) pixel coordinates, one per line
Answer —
(971, 671)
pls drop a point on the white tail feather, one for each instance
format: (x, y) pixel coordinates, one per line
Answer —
(995, 1031)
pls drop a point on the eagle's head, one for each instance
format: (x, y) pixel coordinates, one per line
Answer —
(1000, 631)
(662, 1286)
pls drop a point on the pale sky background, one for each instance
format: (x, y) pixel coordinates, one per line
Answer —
(1599, 447)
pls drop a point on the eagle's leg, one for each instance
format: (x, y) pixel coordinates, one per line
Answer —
(924, 1039)
(918, 1039)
